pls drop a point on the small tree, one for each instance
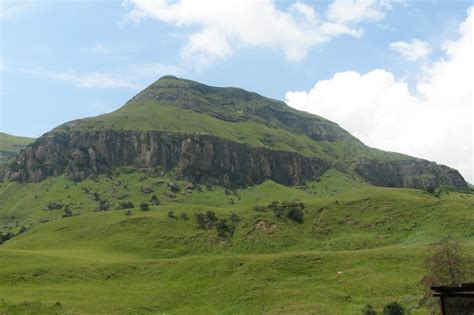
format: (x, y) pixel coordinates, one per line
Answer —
(368, 309)
(144, 206)
(446, 265)
(393, 308)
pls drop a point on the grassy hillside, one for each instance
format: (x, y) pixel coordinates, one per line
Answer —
(9, 143)
(358, 244)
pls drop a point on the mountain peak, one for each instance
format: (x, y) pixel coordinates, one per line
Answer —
(218, 133)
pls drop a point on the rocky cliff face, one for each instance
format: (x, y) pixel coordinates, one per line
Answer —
(163, 126)
(79, 154)
(199, 157)
(413, 173)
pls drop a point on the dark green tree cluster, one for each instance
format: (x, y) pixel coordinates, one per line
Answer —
(126, 205)
(209, 220)
(144, 206)
(293, 210)
(206, 221)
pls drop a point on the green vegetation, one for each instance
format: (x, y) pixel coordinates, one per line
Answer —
(356, 245)
(9, 143)
(148, 242)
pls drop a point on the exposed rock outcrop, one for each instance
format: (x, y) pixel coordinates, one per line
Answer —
(199, 157)
(412, 173)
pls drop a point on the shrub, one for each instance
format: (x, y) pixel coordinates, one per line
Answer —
(184, 216)
(260, 208)
(154, 200)
(171, 214)
(224, 229)
(207, 220)
(369, 310)
(103, 205)
(144, 206)
(234, 218)
(126, 205)
(129, 212)
(96, 196)
(211, 216)
(54, 206)
(295, 214)
(173, 187)
(393, 308)
(67, 212)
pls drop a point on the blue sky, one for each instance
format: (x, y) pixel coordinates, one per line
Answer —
(64, 60)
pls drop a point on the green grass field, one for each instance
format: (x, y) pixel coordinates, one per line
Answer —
(358, 244)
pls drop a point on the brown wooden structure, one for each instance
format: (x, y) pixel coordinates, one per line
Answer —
(455, 299)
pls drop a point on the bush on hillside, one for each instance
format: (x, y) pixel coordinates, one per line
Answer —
(295, 214)
(292, 210)
(234, 218)
(171, 214)
(369, 310)
(67, 212)
(260, 208)
(126, 205)
(206, 221)
(154, 200)
(144, 206)
(393, 308)
(103, 205)
(224, 229)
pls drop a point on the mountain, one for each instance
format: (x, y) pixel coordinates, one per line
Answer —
(217, 135)
(11, 145)
(184, 201)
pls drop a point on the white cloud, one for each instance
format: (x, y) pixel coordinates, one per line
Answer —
(131, 77)
(12, 9)
(353, 11)
(414, 50)
(225, 25)
(435, 123)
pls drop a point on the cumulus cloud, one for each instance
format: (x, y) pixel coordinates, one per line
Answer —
(435, 122)
(413, 50)
(130, 77)
(353, 11)
(12, 9)
(224, 25)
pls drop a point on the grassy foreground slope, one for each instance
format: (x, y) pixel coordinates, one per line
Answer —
(358, 244)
